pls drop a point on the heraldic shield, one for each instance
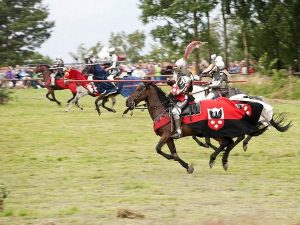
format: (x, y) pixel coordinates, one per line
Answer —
(215, 118)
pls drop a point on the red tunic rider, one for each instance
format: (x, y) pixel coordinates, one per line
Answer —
(180, 89)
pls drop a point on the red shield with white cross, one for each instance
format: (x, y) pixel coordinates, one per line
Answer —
(245, 107)
(215, 118)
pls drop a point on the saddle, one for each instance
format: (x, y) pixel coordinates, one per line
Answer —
(191, 109)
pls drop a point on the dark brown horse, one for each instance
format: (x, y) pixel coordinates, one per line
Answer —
(158, 106)
(45, 71)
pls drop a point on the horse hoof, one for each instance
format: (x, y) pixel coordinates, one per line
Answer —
(245, 147)
(66, 110)
(190, 169)
(225, 166)
(211, 164)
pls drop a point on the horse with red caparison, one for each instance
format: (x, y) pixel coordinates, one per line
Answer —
(45, 71)
(213, 115)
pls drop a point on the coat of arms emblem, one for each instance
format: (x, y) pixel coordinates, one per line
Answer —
(215, 118)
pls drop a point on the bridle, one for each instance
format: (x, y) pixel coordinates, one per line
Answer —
(132, 103)
(142, 107)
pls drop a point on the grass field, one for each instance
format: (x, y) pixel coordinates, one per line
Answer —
(77, 168)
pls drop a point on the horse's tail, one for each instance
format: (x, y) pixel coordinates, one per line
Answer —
(278, 121)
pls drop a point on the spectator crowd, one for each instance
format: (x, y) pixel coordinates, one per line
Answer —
(23, 76)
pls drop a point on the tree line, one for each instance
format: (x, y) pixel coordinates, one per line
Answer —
(236, 29)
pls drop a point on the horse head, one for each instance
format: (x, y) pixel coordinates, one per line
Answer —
(136, 97)
(149, 92)
(43, 70)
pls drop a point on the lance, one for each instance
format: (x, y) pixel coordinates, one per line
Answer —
(144, 81)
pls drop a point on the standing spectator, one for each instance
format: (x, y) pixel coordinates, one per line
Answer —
(251, 70)
(150, 69)
(138, 72)
(10, 74)
(234, 68)
(167, 70)
(157, 69)
(243, 67)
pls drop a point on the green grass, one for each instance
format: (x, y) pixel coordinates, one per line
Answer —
(77, 168)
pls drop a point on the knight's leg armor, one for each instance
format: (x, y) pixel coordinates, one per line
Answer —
(176, 111)
(52, 77)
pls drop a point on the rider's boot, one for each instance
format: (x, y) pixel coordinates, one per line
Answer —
(178, 132)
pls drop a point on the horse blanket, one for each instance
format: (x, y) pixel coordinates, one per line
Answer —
(104, 88)
(76, 75)
(127, 88)
(219, 118)
(60, 85)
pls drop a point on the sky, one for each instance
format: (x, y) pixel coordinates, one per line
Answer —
(88, 22)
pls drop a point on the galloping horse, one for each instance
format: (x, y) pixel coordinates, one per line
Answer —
(84, 87)
(108, 90)
(238, 96)
(220, 119)
(45, 71)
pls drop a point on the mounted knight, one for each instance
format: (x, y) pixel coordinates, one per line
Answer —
(219, 84)
(57, 70)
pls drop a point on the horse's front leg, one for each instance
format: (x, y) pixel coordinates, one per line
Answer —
(172, 148)
(107, 108)
(205, 145)
(79, 95)
(160, 144)
(73, 102)
(72, 98)
(53, 99)
(207, 140)
(97, 106)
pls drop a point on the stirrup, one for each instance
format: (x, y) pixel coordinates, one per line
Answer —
(176, 135)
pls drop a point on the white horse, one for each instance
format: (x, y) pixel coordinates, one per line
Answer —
(81, 92)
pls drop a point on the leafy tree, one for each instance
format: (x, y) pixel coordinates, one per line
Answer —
(243, 11)
(160, 54)
(129, 44)
(23, 28)
(277, 32)
(181, 21)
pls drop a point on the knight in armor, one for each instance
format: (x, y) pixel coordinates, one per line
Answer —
(219, 84)
(113, 69)
(100, 73)
(181, 87)
(58, 70)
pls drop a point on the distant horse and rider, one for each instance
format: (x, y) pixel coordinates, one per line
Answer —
(103, 90)
(108, 89)
(45, 71)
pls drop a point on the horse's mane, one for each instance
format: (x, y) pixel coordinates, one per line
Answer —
(162, 96)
